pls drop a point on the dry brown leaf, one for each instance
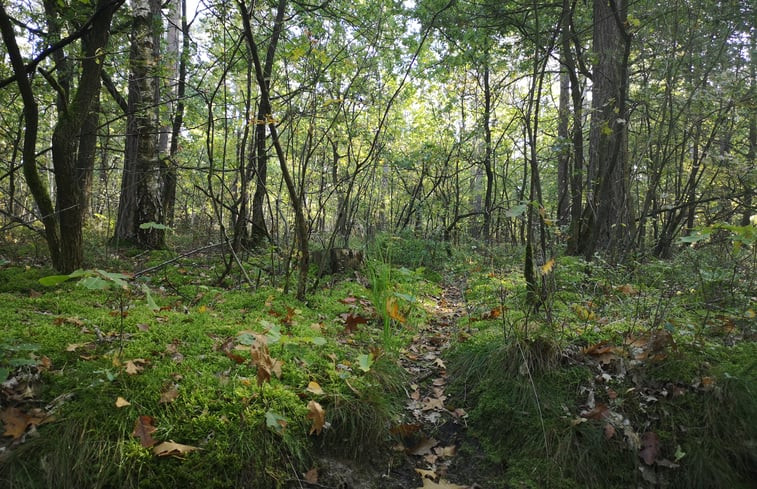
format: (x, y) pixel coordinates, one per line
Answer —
(318, 415)
(424, 447)
(169, 395)
(266, 365)
(172, 449)
(609, 431)
(132, 368)
(16, 421)
(121, 402)
(650, 447)
(143, 429)
(311, 476)
(433, 403)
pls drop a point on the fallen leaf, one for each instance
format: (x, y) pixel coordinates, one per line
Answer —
(446, 452)
(275, 421)
(627, 289)
(132, 368)
(650, 447)
(318, 415)
(351, 320)
(169, 394)
(121, 402)
(493, 314)
(442, 484)
(311, 476)
(266, 365)
(16, 421)
(599, 412)
(393, 310)
(143, 429)
(609, 431)
(172, 449)
(424, 447)
(426, 474)
(314, 388)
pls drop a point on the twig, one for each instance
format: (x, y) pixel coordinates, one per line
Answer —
(175, 259)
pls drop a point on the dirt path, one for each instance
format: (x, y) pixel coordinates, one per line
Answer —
(435, 429)
(432, 430)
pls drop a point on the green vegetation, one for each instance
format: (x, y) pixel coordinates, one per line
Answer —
(637, 375)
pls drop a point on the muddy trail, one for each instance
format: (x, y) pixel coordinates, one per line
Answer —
(426, 455)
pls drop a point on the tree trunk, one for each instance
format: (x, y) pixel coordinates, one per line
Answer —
(607, 216)
(563, 138)
(140, 215)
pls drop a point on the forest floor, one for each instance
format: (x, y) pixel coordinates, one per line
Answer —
(413, 373)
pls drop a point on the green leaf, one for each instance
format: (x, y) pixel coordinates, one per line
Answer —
(51, 280)
(153, 225)
(246, 339)
(364, 362)
(517, 211)
(275, 422)
(319, 341)
(274, 334)
(148, 297)
(94, 283)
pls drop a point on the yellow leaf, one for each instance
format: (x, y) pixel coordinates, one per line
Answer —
(314, 388)
(393, 310)
(121, 402)
(547, 267)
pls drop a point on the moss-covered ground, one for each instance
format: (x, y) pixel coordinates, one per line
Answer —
(634, 376)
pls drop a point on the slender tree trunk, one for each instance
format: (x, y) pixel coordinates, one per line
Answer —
(31, 118)
(487, 152)
(563, 137)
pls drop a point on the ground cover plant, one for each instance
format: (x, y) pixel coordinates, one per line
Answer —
(624, 376)
(167, 381)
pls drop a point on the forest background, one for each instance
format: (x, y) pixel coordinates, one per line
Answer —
(283, 136)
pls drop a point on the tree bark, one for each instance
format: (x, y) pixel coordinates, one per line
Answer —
(607, 217)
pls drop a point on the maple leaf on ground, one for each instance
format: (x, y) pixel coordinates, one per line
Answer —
(351, 320)
(172, 449)
(318, 415)
(16, 421)
(143, 429)
(133, 367)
